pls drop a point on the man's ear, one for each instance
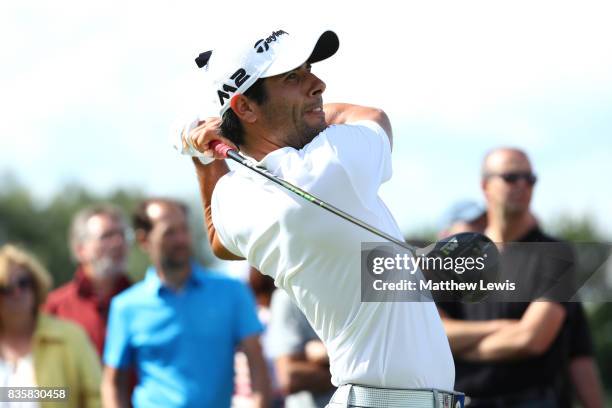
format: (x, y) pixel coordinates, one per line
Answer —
(483, 183)
(244, 108)
(141, 239)
(79, 252)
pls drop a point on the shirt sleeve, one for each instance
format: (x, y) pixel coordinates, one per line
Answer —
(118, 352)
(364, 151)
(247, 322)
(286, 334)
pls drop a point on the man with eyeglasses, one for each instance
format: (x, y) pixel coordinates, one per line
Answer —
(98, 244)
(511, 353)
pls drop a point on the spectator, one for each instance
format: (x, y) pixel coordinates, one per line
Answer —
(181, 326)
(302, 364)
(509, 354)
(581, 377)
(97, 242)
(37, 350)
(262, 287)
(464, 216)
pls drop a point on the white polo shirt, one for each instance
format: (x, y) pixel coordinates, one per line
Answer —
(315, 256)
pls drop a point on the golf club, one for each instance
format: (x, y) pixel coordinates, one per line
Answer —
(463, 244)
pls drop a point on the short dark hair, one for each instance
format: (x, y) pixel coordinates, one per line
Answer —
(231, 127)
(141, 220)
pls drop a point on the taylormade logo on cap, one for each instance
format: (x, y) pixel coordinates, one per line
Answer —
(262, 45)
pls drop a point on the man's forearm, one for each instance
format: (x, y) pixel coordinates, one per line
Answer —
(115, 390)
(208, 176)
(340, 113)
(531, 336)
(260, 381)
(258, 369)
(512, 342)
(586, 382)
(115, 398)
(464, 336)
(300, 375)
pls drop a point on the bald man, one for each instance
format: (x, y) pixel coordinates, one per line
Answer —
(510, 354)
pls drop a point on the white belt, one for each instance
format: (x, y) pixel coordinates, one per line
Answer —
(351, 395)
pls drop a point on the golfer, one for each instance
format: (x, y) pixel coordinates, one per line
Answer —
(271, 107)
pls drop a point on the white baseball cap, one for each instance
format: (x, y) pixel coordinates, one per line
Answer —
(233, 68)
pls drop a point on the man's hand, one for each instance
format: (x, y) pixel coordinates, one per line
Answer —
(316, 352)
(195, 139)
(205, 132)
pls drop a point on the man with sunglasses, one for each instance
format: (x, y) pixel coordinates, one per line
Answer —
(510, 354)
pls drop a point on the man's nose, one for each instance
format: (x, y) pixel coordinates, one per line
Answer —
(317, 87)
(117, 239)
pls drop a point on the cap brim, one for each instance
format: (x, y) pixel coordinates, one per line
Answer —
(326, 46)
(301, 51)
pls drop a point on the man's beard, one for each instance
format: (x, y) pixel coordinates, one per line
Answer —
(297, 132)
(306, 135)
(107, 267)
(175, 263)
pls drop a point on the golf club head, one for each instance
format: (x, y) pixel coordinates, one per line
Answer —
(474, 259)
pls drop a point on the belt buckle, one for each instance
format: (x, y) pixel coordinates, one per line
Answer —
(458, 401)
(450, 400)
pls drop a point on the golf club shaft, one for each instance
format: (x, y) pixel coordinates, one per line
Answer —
(228, 152)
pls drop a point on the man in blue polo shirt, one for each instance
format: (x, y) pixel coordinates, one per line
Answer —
(180, 326)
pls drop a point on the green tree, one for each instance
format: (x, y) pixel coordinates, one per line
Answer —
(43, 228)
(593, 245)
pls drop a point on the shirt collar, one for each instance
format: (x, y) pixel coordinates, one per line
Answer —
(271, 162)
(534, 234)
(83, 283)
(85, 286)
(155, 285)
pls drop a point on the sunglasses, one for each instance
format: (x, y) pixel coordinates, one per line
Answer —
(512, 178)
(22, 283)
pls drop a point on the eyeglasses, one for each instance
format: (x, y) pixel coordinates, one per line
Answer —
(512, 178)
(23, 283)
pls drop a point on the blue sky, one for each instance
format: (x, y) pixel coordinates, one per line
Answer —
(89, 92)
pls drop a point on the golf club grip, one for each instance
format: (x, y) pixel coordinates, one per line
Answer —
(227, 152)
(220, 148)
